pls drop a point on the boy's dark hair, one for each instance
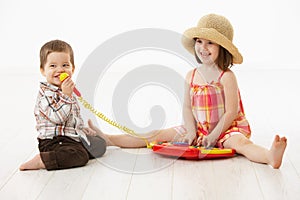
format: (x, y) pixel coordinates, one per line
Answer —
(55, 46)
(224, 60)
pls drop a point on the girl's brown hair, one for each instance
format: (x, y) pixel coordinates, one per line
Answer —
(55, 46)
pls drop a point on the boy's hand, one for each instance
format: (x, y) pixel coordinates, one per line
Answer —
(89, 131)
(67, 87)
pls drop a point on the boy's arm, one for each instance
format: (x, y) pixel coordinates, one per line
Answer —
(55, 106)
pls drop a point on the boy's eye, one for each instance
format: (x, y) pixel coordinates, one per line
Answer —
(52, 66)
(66, 65)
(199, 41)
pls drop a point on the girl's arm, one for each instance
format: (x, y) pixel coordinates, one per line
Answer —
(189, 120)
(230, 85)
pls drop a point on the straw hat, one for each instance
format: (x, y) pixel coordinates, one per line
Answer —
(215, 28)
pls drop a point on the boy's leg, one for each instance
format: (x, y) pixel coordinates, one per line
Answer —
(62, 152)
(33, 164)
(96, 148)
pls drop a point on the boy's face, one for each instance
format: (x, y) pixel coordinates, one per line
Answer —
(57, 63)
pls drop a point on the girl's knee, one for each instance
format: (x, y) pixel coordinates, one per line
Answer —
(236, 142)
(241, 145)
(244, 141)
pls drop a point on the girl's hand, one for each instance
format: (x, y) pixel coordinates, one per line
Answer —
(189, 138)
(209, 141)
(67, 87)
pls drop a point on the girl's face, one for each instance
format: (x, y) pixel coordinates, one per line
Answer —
(57, 63)
(206, 51)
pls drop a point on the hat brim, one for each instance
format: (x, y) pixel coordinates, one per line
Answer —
(188, 41)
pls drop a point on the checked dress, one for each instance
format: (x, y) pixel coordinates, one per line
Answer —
(208, 106)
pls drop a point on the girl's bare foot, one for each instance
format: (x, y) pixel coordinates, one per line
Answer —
(99, 133)
(276, 152)
(35, 163)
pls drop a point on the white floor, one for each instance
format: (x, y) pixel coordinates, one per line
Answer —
(140, 174)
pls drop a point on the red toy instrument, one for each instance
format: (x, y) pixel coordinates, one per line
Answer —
(183, 150)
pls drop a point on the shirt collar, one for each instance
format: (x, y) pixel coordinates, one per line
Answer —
(49, 86)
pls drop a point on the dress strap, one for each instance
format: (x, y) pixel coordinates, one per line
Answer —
(222, 73)
(193, 75)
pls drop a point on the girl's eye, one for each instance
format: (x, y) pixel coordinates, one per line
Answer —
(199, 41)
(52, 66)
(65, 65)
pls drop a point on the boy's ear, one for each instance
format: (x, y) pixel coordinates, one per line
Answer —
(42, 71)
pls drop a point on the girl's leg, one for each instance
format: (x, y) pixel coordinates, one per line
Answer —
(130, 141)
(256, 153)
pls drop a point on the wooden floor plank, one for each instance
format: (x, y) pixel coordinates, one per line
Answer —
(235, 179)
(280, 183)
(231, 178)
(152, 178)
(26, 185)
(16, 151)
(193, 180)
(293, 150)
(67, 184)
(111, 180)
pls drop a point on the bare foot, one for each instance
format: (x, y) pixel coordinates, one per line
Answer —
(35, 163)
(99, 133)
(277, 151)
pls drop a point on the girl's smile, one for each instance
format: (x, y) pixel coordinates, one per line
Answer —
(206, 51)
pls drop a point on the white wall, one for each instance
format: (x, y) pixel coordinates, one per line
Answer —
(266, 32)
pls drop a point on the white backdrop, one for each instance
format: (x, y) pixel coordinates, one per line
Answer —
(266, 32)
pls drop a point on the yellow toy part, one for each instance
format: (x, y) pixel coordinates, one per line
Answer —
(63, 76)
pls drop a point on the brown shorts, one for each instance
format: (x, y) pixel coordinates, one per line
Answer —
(63, 152)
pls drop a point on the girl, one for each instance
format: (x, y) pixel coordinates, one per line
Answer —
(213, 111)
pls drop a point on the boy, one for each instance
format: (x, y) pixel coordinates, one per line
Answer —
(64, 142)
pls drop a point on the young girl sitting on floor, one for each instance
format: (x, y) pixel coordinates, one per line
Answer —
(213, 111)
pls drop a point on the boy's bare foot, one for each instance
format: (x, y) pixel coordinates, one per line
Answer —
(35, 163)
(100, 133)
(277, 151)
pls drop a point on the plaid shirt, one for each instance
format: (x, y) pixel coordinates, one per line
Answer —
(208, 106)
(57, 114)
